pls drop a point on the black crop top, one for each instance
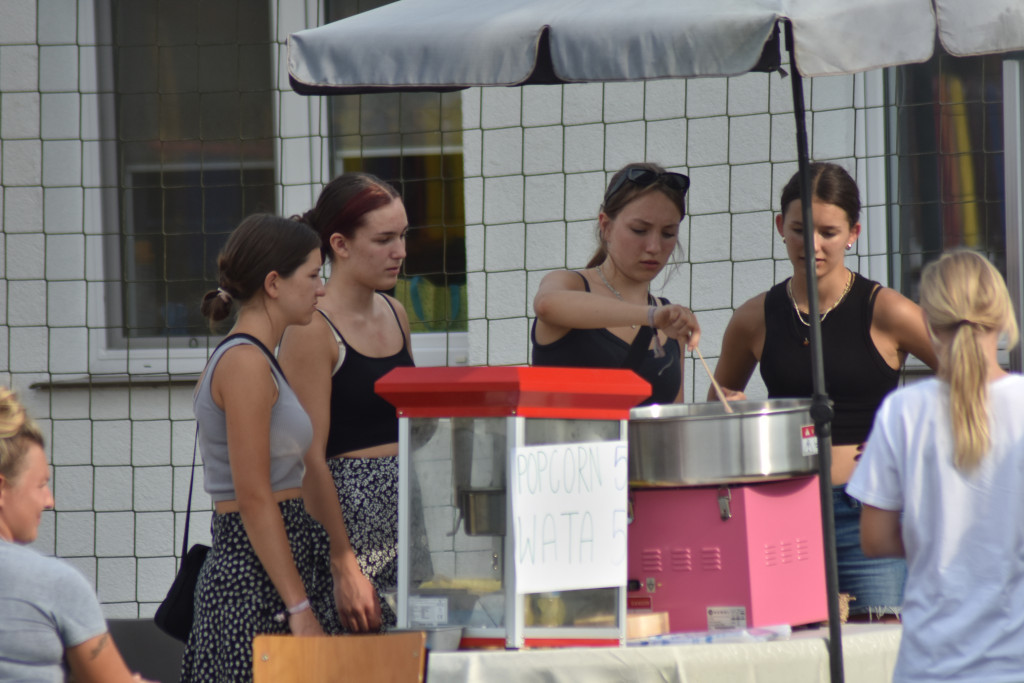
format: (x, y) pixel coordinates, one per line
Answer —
(599, 348)
(359, 417)
(857, 378)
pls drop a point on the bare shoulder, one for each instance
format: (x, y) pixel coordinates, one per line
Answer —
(397, 305)
(314, 336)
(898, 322)
(307, 346)
(749, 317)
(243, 358)
(403, 315)
(892, 309)
(243, 370)
(572, 280)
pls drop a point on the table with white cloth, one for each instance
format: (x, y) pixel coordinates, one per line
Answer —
(869, 655)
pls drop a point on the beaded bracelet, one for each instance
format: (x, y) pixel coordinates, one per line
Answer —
(280, 617)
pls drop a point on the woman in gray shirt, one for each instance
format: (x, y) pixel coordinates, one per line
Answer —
(49, 609)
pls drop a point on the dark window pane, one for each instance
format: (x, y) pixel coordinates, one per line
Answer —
(414, 142)
(948, 160)
(196, 149)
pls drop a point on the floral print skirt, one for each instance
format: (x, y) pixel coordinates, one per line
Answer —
(235, 599)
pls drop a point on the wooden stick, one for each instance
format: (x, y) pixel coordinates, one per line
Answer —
(714, 382)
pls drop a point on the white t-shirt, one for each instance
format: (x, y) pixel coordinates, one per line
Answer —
(963, 609)
(46, 606)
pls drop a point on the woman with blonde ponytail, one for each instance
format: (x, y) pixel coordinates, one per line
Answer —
(942, 482)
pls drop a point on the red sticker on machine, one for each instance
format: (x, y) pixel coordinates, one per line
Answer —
(808, 441)
(638, 603)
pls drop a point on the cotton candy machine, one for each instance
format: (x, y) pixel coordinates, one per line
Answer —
(725, 529)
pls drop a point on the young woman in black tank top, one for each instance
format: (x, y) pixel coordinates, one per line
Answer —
(591, 317)
(868, 330)
(362, 225)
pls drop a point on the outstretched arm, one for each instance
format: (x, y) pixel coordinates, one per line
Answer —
(562, 304)
(902, 320)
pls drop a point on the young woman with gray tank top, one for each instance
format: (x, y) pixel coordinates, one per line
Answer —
(264, 572)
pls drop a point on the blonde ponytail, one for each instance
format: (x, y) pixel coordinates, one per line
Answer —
(964, 296)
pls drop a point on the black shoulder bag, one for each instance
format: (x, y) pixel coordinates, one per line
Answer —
(175, 614)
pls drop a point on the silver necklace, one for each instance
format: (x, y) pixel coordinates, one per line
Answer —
(600, 273)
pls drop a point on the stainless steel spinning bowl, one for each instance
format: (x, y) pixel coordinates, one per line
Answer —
(699, 444)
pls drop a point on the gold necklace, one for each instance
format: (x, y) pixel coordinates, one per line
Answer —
(799, 313)
(614, 291)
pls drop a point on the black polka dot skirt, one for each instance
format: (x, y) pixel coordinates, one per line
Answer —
(235, 599)
(368, 492)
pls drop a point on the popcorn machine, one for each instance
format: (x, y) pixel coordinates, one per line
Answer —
(513, 490)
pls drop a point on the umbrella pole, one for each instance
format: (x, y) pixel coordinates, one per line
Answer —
(821, 408)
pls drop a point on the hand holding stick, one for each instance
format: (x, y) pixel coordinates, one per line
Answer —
(714, 382)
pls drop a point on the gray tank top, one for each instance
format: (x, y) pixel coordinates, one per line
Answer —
(291, 432)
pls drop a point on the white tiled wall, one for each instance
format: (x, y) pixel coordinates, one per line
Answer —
(543, 154)
(536, 160)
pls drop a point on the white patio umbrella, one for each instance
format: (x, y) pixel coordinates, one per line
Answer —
(438, 45)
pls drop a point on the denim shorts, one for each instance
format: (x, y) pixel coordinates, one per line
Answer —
(877, 584)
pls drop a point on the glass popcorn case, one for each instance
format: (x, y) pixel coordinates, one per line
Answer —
(513, 489)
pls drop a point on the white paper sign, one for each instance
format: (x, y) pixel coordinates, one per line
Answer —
(569, 516)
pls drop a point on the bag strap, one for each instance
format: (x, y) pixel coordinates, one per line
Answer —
(188, 509)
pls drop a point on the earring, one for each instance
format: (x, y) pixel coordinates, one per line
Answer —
(849, 246)
(783, 240)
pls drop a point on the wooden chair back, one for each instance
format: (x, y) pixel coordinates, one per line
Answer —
(378, 658)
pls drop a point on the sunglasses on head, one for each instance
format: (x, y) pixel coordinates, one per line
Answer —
(644, 177)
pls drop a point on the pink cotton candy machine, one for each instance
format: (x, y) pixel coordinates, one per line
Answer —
(726, 516)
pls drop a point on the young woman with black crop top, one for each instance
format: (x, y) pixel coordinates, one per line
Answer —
(867, 331)
(591, 317)
(359, 335)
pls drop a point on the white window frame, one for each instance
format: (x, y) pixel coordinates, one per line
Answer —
(302, 166)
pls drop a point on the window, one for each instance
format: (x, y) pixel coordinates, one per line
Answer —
(946, 161)
(413, 141)
(192, 85)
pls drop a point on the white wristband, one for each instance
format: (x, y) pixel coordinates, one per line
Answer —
(659, 350)
(280, 617)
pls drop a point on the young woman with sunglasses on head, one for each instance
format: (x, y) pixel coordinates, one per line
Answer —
(358, 335)
(942, 482)
(594, 317)
(867, 331)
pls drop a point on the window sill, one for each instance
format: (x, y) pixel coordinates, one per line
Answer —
(118, 381)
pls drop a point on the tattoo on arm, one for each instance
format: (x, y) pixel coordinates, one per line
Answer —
(100, 644)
